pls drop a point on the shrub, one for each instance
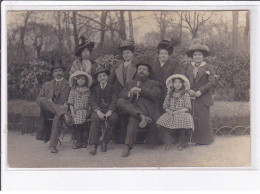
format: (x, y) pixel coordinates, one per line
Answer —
(34, 75)
(231, 66)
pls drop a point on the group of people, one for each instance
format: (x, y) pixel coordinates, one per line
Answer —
(167, 99)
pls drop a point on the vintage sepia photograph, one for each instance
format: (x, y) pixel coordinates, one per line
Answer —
(128, 88)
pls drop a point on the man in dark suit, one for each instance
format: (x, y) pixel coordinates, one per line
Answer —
(51, 99)
(138, 100)
(102, 102)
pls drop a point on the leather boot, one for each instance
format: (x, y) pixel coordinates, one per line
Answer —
(93, 150)
(126, 151)
(54, 149)
(144, 121)
(103, 147)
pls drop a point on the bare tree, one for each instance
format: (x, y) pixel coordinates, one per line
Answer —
(180, 24)
(163, 23)
(193, 20)
(59, 32)
(103, 27)
(235, 29)
(247, 28)
(21, 46)
(131, 28)
(75, 30)
(121, 31)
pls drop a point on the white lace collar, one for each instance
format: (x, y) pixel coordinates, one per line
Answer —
(202, 64)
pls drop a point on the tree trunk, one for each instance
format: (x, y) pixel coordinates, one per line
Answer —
(103, 27)
(122, 33)
(131, 28)
(59, 35)
(181, 28)
(75, 30)
(194, 34)
(246, 33)
(68, 31)
(21, 46)
(235, 29)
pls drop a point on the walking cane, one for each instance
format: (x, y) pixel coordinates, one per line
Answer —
(104, 129)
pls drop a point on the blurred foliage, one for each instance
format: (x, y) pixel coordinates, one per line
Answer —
(232, 68)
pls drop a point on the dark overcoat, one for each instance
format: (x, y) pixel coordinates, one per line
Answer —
(150, 92)
(204, 82)
(161, 74)
(95, 99)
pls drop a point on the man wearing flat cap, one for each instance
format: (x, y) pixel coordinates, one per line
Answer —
(51, 99)
(137, 99)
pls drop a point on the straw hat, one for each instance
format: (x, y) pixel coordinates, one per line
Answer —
(185, 79)
(85, 43)
(197, 45)
(76, 73)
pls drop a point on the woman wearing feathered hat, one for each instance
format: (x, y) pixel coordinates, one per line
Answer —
(123, 72)
(202, 80)
(83, 54)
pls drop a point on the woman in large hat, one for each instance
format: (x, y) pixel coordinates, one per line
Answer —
(83, 54)
(202, 81)
(123, 72)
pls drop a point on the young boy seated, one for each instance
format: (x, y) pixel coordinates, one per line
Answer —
(102, 103)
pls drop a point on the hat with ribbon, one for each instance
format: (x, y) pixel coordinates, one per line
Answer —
(197, 45)
(85, 43)
(77, 73)
(127, 45)
(179, 76)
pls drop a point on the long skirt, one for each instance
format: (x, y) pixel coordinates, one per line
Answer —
(203, 132)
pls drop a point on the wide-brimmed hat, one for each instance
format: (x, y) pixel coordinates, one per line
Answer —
(185, 79)
(165, 44)
(76, 73)
(101, 69)
(150, 69)
(197, 45)
(127, 45)
(85, 43)
(56, 64)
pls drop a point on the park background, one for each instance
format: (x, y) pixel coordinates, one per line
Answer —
(35, 38)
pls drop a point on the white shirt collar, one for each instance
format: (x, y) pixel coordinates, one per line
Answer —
(162, 63)
(202, 64)
(58, 80)
(105, 84)
(126, 63)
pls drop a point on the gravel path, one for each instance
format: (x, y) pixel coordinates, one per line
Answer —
(25, 151)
